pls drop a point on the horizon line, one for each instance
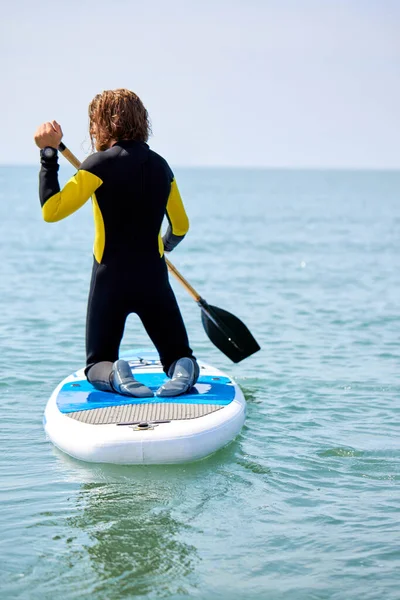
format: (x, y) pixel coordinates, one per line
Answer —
(247, 167)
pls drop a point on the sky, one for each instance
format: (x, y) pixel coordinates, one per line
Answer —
(253, 83)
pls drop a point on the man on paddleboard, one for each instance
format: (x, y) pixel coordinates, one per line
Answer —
(132, 189)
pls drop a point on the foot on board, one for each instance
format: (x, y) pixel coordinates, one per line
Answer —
(123, 382)
(184, 373)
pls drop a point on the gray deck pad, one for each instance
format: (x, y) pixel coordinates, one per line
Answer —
(139, 413)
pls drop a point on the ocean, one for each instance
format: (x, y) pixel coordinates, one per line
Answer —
(304, 504)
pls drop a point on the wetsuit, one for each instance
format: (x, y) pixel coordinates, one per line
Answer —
(132, 189)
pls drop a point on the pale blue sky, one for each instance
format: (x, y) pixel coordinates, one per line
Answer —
(306, 83)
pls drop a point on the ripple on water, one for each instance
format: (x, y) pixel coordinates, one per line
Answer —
(342, 452)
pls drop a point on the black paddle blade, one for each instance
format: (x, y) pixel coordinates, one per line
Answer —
(228, 333)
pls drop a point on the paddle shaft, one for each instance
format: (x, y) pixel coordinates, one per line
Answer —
(68, 155)
(172, 269)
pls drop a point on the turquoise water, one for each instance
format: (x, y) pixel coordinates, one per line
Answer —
(304, 504)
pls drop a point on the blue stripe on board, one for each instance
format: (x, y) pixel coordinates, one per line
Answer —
(80, 395)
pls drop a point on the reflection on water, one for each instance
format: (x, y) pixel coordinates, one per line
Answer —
(135, 529)
(136, 545)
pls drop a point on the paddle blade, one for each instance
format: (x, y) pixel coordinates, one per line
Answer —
(228, 333)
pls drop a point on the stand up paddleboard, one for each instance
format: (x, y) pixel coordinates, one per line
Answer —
(103, 427)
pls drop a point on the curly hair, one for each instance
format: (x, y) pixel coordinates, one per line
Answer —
(117, 115)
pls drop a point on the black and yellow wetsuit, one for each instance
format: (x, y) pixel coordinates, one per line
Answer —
(132, 189)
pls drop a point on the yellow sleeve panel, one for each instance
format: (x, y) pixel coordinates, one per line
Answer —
(100, 232)
(73, 195)
(160, 244)
(176, 214)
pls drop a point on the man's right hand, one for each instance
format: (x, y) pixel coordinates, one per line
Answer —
(48, 134)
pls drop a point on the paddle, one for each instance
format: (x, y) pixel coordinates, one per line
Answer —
(228, 333)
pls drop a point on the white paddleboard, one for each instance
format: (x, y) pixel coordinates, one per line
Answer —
(103, 427)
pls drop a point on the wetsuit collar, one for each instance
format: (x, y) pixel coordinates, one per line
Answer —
(131, 144)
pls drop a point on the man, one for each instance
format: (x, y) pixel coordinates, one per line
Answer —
(132, 188)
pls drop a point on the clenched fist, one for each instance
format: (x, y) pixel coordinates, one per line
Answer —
(48, 134)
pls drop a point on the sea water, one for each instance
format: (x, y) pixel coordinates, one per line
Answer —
(304, 504)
